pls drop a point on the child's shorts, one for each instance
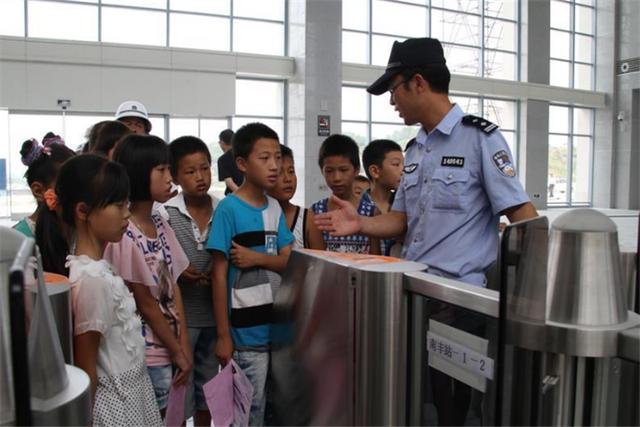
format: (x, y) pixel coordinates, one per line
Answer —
(161, 380)
(205, 367)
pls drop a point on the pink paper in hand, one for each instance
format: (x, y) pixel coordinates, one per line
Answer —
(219, 395)
(175, 407)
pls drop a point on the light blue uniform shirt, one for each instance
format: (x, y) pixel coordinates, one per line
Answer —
(457, 179)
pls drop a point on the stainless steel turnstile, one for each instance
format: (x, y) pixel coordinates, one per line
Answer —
(340, 348)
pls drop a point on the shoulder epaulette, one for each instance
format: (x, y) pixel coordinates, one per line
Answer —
(409, 144)
(483, 124)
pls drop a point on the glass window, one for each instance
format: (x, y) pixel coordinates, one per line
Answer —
(259, 98)
(502, 113)
(354, 47)
(455, 27)
(398, 133)
(505, 9)
(77, 127)
(558, 169)
(510, 137)
(582, 121)
(258, 37)
(355, 15)
(583, 76)
(581, 170)
(381, 47)
(584, 19)
(155, 4)
(468, 104)
(500, 65)
(182, 127)
(219, 7)
(463, 60)
(157, 127)
(560, 73)
(560, 44)
(120, 25)
(558, 119)
(560, 15)
(199, 32)
(500, 35)
(357, 131)
(275, 124)
(12, 18)
(382, 111)
(584, 48)
(354, 103)
(471, 6)
(261, 9)
(399, 19)
(62, 21)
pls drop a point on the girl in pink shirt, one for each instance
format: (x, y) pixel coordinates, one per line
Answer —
(150, 259)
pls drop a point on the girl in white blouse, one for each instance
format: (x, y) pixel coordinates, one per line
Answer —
(90, 196)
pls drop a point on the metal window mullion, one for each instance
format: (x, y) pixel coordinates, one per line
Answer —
(286, 28)
(370, 32)
(167, 18)
(99, 21)
(231, 21)
(572, 54)
(370, 118)
(570, 159)
(26, 18)
(482, 42)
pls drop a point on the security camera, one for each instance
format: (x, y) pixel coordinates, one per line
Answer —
(620, 116)
(64, 103)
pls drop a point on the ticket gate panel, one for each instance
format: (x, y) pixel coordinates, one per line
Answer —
(341, 357)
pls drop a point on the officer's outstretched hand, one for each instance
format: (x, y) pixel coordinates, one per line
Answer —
(343, 221)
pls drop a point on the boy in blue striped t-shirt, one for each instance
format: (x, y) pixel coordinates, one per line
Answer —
(251, 243)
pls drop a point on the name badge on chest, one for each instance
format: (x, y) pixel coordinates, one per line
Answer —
(452, 161)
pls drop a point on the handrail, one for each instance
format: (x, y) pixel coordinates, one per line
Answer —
(475, 298)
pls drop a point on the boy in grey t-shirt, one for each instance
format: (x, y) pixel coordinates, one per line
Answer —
(190, 214)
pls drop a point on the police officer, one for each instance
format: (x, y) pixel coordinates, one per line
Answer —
(458, 178)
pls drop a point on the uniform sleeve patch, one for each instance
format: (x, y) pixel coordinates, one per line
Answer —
(503, 163)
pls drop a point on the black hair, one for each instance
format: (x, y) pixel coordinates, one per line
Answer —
(226, 136)
(438, 77)
(339, 145)
(92, 135)
(139, 154)
(86, 178)
(44, 167)
(362, 178)
(105, 135)
(286, 151)
(184, 146)
(374, 152)
(245, 138)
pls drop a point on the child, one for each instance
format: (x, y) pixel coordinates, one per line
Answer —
(42, 162)
(299, 220)
(102, 141)
(91, 199)
(190, 214)
(339, 161)
(383, 163)
(241, 278)
(360, 185)
(150, 259)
